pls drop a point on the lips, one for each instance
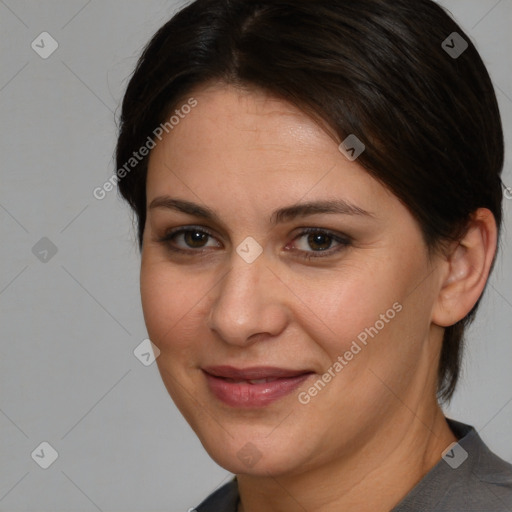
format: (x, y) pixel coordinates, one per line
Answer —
(254, 386)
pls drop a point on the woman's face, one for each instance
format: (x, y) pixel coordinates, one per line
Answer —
(337, 317)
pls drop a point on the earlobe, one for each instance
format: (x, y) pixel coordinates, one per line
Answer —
(468, 265)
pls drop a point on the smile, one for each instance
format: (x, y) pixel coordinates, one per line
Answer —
(252, 387)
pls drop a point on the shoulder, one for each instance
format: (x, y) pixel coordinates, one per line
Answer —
(468, 478)
(492, 479)
(224, 499)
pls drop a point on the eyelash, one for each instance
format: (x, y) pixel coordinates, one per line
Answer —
(343, 241)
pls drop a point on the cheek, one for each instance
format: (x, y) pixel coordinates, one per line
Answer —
(369, 317)
(343, 306)
(171, 300)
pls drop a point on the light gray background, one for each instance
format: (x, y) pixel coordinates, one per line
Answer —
(69, 325)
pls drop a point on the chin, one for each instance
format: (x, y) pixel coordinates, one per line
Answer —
(253, 455)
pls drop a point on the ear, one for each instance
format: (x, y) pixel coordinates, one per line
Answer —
(468, 263)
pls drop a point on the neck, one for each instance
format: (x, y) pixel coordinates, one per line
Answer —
(374, 479)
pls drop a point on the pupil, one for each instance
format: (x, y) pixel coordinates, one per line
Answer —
(321, 241)
(194, 238)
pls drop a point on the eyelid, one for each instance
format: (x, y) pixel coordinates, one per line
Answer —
(188, 227)
(306, 230)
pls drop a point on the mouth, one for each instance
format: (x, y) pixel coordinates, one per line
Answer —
(252, 387)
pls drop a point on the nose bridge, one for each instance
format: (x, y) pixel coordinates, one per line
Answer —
(247, 302)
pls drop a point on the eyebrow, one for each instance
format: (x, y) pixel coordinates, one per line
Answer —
(286, 214)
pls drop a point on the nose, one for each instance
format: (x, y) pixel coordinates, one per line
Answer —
(249, 303)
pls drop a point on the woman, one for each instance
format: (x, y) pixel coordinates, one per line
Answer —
(318, 196)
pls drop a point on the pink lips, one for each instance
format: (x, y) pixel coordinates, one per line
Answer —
(252, 387)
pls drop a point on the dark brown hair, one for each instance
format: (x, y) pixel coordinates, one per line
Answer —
(379, 69)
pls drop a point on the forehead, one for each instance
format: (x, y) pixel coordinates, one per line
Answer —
(245, 145)
(247, 130)
(250, 116)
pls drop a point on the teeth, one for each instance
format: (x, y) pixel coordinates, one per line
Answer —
(260, 381)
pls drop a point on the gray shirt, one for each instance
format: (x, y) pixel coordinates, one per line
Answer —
(469, 478)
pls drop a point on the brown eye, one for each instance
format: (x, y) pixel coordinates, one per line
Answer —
(189, 240)
(195, 239)
(315, 243)
(319, 241)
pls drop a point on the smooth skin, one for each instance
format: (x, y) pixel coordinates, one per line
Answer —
(376, 429)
